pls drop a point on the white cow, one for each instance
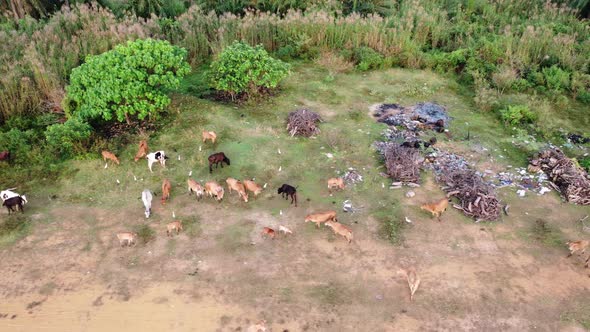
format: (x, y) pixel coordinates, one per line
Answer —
(8, 193)
(159, 156)
(146, 197)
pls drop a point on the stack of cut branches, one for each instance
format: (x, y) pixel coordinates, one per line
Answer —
(403, 164)
(566, 177)
(478, 198)
(303, 123)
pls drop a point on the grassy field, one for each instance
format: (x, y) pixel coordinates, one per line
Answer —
(476, 276)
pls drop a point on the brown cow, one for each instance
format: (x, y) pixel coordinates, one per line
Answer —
(166, 187)
(209, 135)
(213, 188)
(194, 186)
(253, 187)
(173, 226)
(268, 232)
(142, 151)
(436, 208)
(340, 229)
(335, 183)
(321, 217)
(109, 155)
(237, 186)
(127, 238)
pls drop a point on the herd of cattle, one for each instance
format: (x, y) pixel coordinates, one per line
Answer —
(14, 202)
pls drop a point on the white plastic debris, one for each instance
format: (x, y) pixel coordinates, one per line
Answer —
(178, 157)
(280, 168)
(190, 173)
(106, 165)
(281, 212)
(408, 220)
(118, 182)
(199, 148)
(520, 193)
(134, 178)
(329, 155)
(347, 206)
(410, 194)
(173, 214)
(265, 185)
(279, 150)
(544, 190)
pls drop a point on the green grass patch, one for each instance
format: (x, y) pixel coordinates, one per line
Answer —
(145, 233)
(14, 228)
(391, 224)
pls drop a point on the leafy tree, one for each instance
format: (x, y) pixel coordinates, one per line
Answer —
(68, 138)
(129, 80)
(245, 70)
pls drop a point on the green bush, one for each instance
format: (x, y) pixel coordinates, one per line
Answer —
(584, 97)
(585, 163)
(517, 115)
(556, 79)
(367, 58)
(446, 62)
(127, 81)
(69, 138)
(19, 143)
(241, 69)
(145, 233)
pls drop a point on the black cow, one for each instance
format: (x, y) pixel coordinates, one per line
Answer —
(14, 204)
(286, 190)
(217, 158)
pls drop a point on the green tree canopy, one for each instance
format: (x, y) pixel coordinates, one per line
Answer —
(241, 68)
(129, 80)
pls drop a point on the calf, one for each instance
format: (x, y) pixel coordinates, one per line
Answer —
(213, 188)
(195, 187)
(209, 135)
(253, 187)
(321, 217)
(237, 186)
(335, 183)
(287, 190)
(579, 246)
(5, 155)
(159, 156)
(146, 197)
(436, 208)
(340, 229)
(284, 230)
(173, 226)
(14, 204)
(217, 158)
(166, 187)
(109, 155)
(267, 231)
(142, 151)
(127, 238)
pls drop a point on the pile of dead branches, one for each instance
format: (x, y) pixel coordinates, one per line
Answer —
(303, 123)
(477, 197)
(403, 164)
(565, 176)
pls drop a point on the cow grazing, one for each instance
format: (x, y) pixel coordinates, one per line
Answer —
(213, 188)
(195, 187)
(127, 238)
(209, 135)
(284, 230)
(14, 204)
(267, 231)
(217, 158)
(173, 226)
(159, 156)
(237, 186)
(436, 208)
(166, 187)
(321, 217)
(5, 155)
(413, 280)
(340, 229)
(579, 246)
(142, 151)
(106, 155)
(8, 193)
(146, 197)
(335, 183)
(287, 190)
(252, 187)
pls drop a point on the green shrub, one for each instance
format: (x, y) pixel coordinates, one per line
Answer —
(520, 85)
(517, 115)
(367, 58)
(446, 62)
(584, 97)
(585, 163)
(69, 138)
(556, 79)
(245, 70)
(127, 81)
(19, 143)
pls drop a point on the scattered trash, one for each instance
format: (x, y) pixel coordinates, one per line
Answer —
(544, 190)
(352, 177)
(347, 206)
(118, 182)
(329, 155)
(190, 173)
(279, 150)
(410, 194)
(178, 157)
(520, 193)
(408, 220)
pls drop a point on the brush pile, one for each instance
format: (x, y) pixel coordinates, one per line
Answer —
(477, 197)
(402, 163)
(565, 176)
(303, 123)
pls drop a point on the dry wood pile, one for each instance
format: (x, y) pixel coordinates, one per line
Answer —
(566, 177)
(403, 164)
(477, 198)
(303, 123)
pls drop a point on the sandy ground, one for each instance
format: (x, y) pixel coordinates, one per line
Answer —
(69, 275)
